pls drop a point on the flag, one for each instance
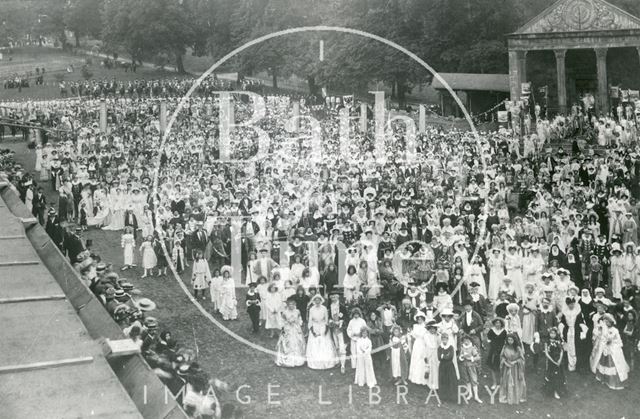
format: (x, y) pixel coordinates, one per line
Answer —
(634, 94)
(614, 91)
(525, 89)
(502, 116)
(348, 101)
(625, 95)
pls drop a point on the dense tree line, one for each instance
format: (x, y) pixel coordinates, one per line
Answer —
(451, 35)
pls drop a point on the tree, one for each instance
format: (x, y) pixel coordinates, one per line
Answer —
(83, 17)
(145, 28)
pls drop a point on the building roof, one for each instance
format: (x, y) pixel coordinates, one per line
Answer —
(566, 16)
(477, 82)
(49, 365)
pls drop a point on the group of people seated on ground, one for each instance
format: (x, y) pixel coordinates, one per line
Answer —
(470, 257)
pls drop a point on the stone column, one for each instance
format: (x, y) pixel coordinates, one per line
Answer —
(514, 75)
(163, 116)
(522, 66)
(103, 116)
(603, 87)
(296, 115)
(422, 119)
(562, 79)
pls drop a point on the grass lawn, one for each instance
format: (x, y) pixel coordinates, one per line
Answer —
(56, 61)
(298, 391)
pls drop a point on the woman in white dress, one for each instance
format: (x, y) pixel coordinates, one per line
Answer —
(228, 302)
(87, 196)
(291, 346)
(128, 243)
(355, 327)
(216, 290)
(38, 158)
(607, 358)
(252, 268)
(117, 203)
(496, 272)
(101, 205)
(417, 365)
(321, 353)
(262, 290)
(149, 259)
(44, 166)
(28, 199)
(273, 306)
(200, 276)
(146, 222)
(296, 269)
(351, 283)
(110, 203)
(513, 263)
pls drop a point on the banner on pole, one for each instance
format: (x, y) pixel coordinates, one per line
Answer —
(348, 101)
(625, 95)
(503, 116)
(614, 92)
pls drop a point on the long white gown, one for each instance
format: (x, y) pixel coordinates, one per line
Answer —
(321, 354)
(116, 211)
(417, 366)
(146, 224)
(496, 275)
(128, 243)
(513, 264)
(228, 302)
(365, 374)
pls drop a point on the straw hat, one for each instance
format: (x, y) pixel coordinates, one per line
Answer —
(145, 304)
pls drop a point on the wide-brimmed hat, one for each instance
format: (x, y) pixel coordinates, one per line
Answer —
(150, 323)
(145, 304)
(446, 312)
(125, 285)
(226, 268)
(418, 315)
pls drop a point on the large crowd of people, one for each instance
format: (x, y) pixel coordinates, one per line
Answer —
(475, 256)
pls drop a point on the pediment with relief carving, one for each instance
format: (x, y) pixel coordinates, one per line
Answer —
(580, 16)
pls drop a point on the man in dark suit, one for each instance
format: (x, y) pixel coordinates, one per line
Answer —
(471, 323)
(53, 228)
(198, 240)
(73, 244)
(338, 326)
(130, 220)
(39, 205)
